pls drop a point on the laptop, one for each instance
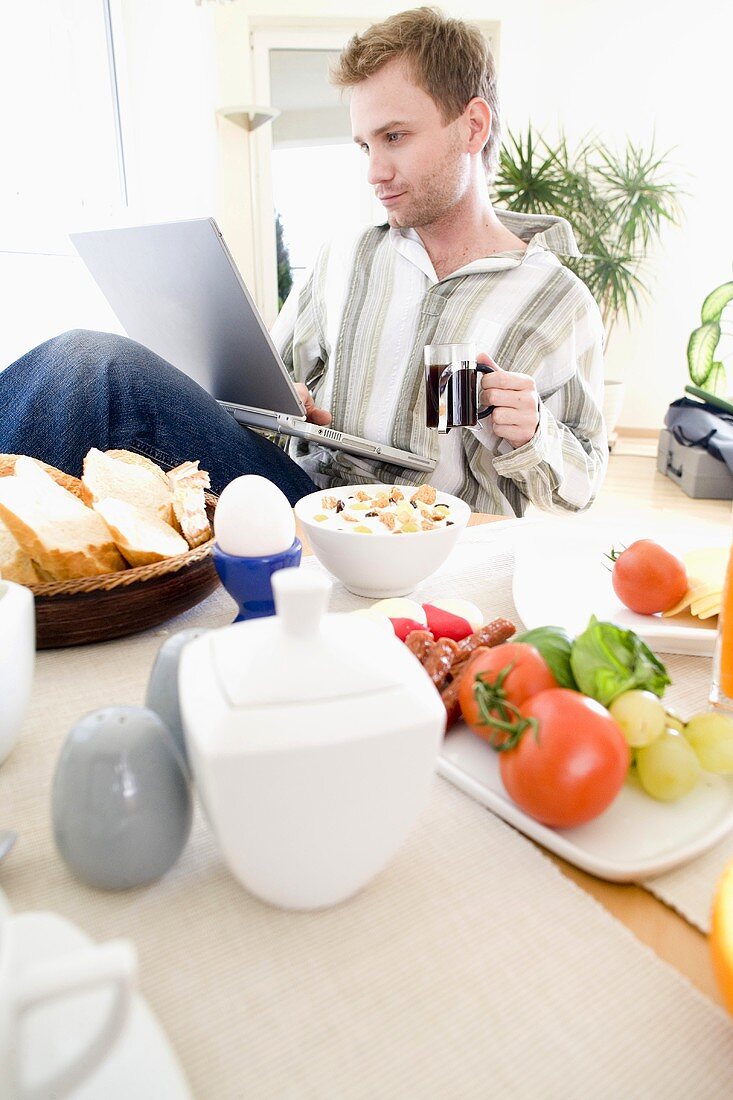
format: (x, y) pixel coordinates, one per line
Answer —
(176, 289)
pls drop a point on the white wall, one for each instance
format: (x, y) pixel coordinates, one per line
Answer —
(640, 68)
(633, 67)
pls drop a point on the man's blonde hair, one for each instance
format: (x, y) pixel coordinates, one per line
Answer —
(449, 59)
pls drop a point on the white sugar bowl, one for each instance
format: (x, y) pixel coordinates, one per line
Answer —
(312, 739)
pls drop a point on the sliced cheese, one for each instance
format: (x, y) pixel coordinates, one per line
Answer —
(709, 605)
(706, 568)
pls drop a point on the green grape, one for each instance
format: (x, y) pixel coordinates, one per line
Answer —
(668, 768)
(640, 715)
(674, 722)
(711, 736)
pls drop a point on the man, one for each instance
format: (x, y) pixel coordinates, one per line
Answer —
(446, 268)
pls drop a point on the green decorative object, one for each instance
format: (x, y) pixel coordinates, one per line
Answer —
(284, 270)
(618, 203)
(705, 370)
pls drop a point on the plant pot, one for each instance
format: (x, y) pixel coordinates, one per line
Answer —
(613, 399)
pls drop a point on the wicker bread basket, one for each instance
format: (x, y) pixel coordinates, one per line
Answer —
(94, 609)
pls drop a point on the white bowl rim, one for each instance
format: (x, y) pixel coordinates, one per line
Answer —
(310, 522)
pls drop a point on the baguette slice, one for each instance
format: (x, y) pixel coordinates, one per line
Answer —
(189, 504)
(132, 458)
(66, 481)
(140, 536)
(134, 483)
(15, 565)
(63, 537)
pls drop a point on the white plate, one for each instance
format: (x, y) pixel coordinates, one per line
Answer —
(141, 1064)
(635, 838)
(561, 579)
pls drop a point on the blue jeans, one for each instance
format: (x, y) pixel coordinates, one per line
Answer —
(94, 389)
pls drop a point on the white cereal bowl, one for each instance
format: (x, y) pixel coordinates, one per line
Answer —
(379, 565)
(17, 657)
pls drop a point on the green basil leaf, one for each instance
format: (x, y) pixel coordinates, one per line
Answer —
(607, 660)
(554, 644)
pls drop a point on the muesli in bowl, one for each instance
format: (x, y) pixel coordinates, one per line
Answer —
(352, 532)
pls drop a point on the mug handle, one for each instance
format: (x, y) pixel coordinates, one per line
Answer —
(89, 968)
(482, 368)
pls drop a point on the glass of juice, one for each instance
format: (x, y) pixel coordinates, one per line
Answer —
(721, 689)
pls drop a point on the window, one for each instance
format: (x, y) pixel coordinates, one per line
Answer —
(318, 176)
(63, 163)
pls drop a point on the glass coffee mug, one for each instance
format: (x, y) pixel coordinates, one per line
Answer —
(452, 386)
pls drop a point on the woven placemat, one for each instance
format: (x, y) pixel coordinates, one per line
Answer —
(471, 967)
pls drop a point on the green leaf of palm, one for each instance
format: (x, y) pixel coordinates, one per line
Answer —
(616, 203)
(530, 177)
(716, 301)
(640, 200)
(701, 351)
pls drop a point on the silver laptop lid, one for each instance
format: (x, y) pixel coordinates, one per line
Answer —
(175, 289)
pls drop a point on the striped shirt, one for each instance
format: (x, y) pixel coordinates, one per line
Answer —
(355, 331)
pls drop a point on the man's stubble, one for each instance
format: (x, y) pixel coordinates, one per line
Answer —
(436, 194)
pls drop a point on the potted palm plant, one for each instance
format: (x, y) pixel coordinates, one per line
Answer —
(617, 203)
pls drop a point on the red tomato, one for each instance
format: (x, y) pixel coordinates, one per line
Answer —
(647, 578)
(516, 671)
(571, 770)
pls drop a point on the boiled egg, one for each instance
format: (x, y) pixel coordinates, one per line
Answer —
(253, 518)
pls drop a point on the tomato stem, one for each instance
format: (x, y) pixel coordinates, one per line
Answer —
(615, 554)
(505, 721)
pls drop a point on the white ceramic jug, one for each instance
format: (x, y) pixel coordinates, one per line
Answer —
(17, 654)
(312, 740)
(27, 986)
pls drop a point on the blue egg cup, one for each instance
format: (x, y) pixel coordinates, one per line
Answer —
(247, 580)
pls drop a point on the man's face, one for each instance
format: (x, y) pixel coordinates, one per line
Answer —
(418, 166)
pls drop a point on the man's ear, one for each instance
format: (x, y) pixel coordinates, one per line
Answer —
(478, 116)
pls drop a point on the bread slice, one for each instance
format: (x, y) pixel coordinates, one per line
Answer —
(134, 483)
(15, 565)
(61, 535)
(66, 481)
(140, 536)
(132, 458)
(189, 504)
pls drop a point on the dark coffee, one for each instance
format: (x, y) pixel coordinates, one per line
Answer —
(432, 383)
(460, 397)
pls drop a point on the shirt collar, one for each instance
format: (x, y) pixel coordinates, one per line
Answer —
(541, 232)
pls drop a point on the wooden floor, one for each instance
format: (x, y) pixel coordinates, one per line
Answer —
(632, 483)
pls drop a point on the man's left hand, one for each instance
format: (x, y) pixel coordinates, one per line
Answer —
(516, 402)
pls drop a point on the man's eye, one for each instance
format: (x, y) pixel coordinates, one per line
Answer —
(392, 138)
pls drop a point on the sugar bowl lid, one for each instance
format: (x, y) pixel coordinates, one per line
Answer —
(302, 654)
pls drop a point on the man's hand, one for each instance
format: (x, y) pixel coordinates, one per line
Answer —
(312, 414)
(516, 402)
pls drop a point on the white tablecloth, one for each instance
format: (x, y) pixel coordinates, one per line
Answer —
(470, 968)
